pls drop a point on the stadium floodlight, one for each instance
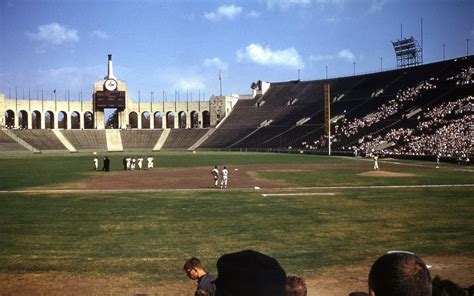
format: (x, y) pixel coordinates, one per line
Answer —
(408, 52)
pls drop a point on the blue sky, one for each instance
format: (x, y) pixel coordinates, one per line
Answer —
(181, 45)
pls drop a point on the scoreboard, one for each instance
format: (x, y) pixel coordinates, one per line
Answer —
(109, 99)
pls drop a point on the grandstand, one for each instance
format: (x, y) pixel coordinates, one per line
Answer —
(389, 111)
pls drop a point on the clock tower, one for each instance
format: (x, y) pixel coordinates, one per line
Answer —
(111, 94)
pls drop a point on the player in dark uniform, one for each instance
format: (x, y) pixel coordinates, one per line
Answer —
(106, 166)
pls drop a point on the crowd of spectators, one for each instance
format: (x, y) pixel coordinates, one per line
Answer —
(251, 273)
(443, 130)
(20, 127)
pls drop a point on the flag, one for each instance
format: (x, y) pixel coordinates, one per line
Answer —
(220, 75)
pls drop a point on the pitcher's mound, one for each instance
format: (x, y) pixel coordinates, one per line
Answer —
(385, 174)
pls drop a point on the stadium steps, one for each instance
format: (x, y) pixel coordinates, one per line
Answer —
(21, 141)
(202, 139)
(162, 139)
(114, 140)
(64, 141)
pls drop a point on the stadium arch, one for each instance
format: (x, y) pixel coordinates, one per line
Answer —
(9, 118)
(170, 119)
(145, 120)
(36, 119)
(75, 120)
(49, 120)
(62, 120)
(158, 120)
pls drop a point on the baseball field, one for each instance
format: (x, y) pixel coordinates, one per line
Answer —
(68, 229)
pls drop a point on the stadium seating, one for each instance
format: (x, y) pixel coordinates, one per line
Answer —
(182, 138)
(87, 140)
(140, 139)
(8, 144)
(290, 115)
(41, 139)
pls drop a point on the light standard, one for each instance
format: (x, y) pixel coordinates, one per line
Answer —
(467, 47)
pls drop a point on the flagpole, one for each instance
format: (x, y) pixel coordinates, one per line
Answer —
(220, 81)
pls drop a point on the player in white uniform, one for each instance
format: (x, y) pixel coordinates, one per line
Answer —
(140, 162)
(134, 162)
(215, 176)
(96, 163)
(150, 162)
(376, 162)
(129, 162)
(225, 174)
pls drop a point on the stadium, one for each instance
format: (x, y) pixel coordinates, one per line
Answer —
(302, 183)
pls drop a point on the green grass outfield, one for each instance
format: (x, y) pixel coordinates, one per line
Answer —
(149, 235)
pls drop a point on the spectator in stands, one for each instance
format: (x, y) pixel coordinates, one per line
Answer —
(106, 166)
(446, 288)
(249, 273)
(295, 286)
(195, 271)
(399, 274)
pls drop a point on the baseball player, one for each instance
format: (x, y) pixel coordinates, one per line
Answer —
(140, 162)
(96, 163)
(150, 162)
(376, 162)
(225, 174)
(215, 176)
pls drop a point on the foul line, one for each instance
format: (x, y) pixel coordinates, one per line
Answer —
(231, 189)
(297, 194)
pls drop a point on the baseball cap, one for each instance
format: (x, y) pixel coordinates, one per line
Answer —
(249, 273)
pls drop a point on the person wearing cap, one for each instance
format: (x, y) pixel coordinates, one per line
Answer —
(399, 274)
(215, 176)
(249, 273)
(195, 271)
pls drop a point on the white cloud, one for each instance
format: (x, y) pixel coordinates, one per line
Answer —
(376, 6)
(285, 4)
(215, 62)
(189, 83)
(266, 56)
(54, 34)
(229, 12)
(253, 14)
(331, 20)
(344, 54)
(100, 34)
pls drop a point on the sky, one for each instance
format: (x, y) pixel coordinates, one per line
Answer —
(178, 48)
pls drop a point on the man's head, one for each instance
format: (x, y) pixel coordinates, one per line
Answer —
(295, 286)
(399, 274)
(193, 268)
(249, 273)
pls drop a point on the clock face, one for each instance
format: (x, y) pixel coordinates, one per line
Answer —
(110, 84)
